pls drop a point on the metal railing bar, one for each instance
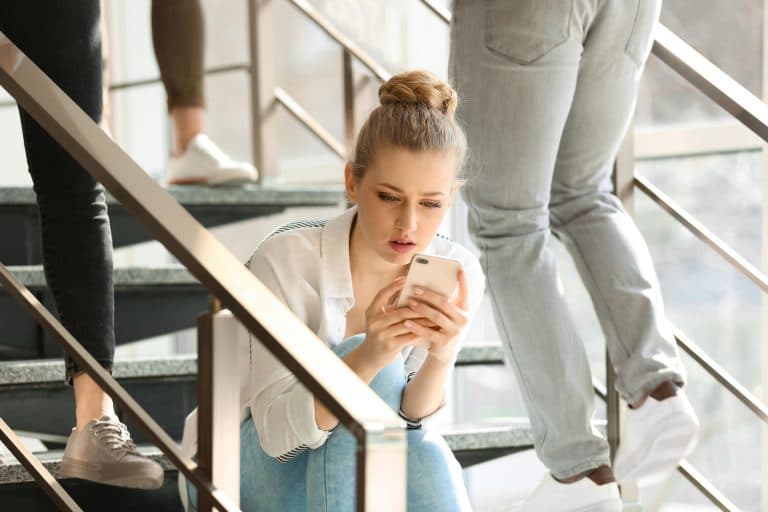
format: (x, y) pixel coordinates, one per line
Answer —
(700, 231)
(301, 115)
(51, 487)
(720, 375)
(599, 389)
(706, 487)
(117, 86)
(711, 80)
(441, 12)
(29, 302)
(318, 19)
(348, 79)
(130, 84)
(358, 408)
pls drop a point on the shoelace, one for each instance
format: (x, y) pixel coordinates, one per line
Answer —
(115, 435)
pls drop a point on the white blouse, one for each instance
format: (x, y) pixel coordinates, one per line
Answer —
(308, 269)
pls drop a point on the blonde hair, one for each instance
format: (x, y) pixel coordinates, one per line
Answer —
(416, 113)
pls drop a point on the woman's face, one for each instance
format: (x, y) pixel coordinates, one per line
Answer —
(402, 199)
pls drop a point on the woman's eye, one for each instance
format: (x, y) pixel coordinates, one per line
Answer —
(431, 204)
(387, 197)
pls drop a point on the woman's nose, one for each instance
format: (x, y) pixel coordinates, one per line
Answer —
(406, 219)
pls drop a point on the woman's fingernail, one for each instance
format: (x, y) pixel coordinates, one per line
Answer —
(418, 291)
(408, 323)
(413, 303)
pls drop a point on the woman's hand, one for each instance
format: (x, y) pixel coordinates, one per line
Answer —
(385, 331)
(442, 320)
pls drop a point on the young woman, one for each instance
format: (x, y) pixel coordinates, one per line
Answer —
(343, 280)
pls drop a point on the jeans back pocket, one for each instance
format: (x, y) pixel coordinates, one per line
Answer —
(526, 30)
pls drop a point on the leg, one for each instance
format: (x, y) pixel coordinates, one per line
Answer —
(178, 34)
(179, 38)
(434, 475)
(76, 238)
(514, 141)
(607, 247)
(77, 243)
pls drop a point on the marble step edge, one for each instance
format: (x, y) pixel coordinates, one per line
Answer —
(32, 276)
(248, 195)
(515, 436)
(15, 373)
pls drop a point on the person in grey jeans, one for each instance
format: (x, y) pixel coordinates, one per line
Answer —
(548, 89)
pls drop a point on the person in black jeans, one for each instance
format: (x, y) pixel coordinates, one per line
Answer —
(63, 39)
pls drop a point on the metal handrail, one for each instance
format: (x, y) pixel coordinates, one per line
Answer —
(700, 231)
(720, 375)
(298, 112)
(711, 80)
(52, 488)
(358, 408)
(318, 19)
(131, 84)
(440, 12)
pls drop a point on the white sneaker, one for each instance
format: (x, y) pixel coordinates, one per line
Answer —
(656, 437)
(581, 496)
(204, 163)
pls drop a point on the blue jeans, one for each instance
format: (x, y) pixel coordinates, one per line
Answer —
(548, 89)
(323, 479)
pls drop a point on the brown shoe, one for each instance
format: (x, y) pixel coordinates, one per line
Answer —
(104, 452)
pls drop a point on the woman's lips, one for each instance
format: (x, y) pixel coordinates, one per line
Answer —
(401, 247)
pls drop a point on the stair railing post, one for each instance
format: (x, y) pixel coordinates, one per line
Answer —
(349, 100)
(624, 187)
(262, 45)
(218, 410)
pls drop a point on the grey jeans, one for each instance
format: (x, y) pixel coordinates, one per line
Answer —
(547, 88)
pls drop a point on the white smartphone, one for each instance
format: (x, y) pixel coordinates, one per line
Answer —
(433, 273)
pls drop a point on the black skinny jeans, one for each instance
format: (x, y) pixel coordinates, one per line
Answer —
(62, 37)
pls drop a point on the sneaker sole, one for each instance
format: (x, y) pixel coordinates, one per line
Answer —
(603, 506)
(675, 441)
(95, 473)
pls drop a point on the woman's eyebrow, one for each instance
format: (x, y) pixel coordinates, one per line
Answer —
(427, 194)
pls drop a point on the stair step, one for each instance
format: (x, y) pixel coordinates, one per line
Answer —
(35, 398)
(33, 276)
(501, 440)
(149, 301)
(28, 373)
(18, 374)
(211, 206)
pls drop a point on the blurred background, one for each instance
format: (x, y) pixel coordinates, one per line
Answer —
(687, 146)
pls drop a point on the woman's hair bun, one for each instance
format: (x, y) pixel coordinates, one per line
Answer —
(419, 87)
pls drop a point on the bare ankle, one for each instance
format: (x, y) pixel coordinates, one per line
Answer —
(600, 475)
(90, 401)
(666, 389)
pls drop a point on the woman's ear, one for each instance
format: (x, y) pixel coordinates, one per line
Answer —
(349, 183)
(458, 185)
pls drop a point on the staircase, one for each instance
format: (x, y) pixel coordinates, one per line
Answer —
(152, 301)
